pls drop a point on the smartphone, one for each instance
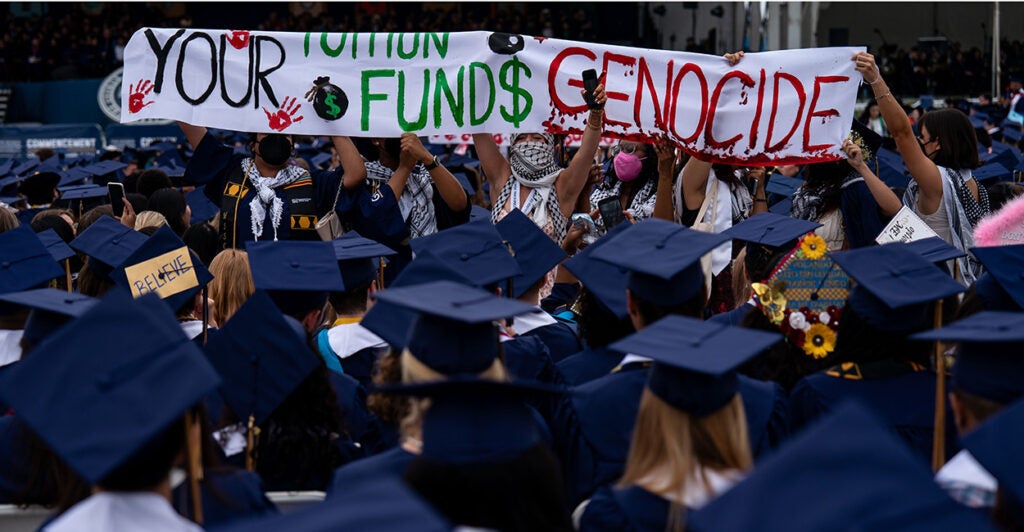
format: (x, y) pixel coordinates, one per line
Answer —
(589, 84)
(611, 212)
(116, 193)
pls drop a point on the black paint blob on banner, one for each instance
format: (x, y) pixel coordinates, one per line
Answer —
(329, 101)
(506, 43)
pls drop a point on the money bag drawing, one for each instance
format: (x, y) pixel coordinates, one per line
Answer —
(329, 101)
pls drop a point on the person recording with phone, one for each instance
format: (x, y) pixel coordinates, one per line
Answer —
(632, 180)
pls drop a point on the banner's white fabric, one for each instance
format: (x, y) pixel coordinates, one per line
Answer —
(773, 107)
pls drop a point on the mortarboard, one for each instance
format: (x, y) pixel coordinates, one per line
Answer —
(772, 230)
(992, 171)
(25, 167)
(203, 210)
(84, 193)
(474, 249)
(464, 181)
(663, 259)
(25, 261)
(261, 358)
(605, 280)
(108, 243)
(783, 207)
(849, 472)
(102, 168)
(782, 185)
(163, 265)
(1005, 264)
(995, 444)
(477, 212)
(978, 120)
(865, 137)
(990, 361)
(933, 249)
(695, 360)
(453, 331)
(318, 160)
(1012, 134)
(374, 504)
(97, 411)
(54, 244)
(51, 308)
(472, 420)
(6, 166)
(296, 275)
(891, 169)
(72, 176)
(531, 248)
(894, 286)
(356, 256)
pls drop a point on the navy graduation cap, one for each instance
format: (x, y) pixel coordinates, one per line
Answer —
(294, 266)
(84, 193)
(453, 332)
(165, 266)
(25, 167)
(76, 174)
(475, 249)
(663, 259)
(782, 185)
(695, 361)
(103, 168)
(848, 472)
(97, 411)
(24, 261)
(373, 504)
(990, 361)
(532, 249)
(473, 420)
(260, 357)
(1006, 265)
(995, 444)
(358, 258)
(993, 171)
(933, 249)
(203, 210)
(54, 244)
(894, 286)
(51, 308)
(318, 160)
(772, 230)
(605, 280)
(477, 212)
(1012, 133)
(108, 243)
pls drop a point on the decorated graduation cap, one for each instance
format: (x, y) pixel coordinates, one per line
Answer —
(475, 249)
(262, 360)
(97, 411)
(695, 361)
(108, 243)
(294, 273)
(358, 258)
(24, 261)
(894, 286)
(849, 472)
(606, 281)
(933, 249)
(866, 138)
(377, 503)
(475, 421)
(453, 331)
(51, 309)
(1002, 286)
(772, 230)
(990, 361)
(165, 266)
(995, 444)
(532, 249)
(663, 259)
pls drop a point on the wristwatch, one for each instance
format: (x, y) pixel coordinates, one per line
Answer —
(433, 164)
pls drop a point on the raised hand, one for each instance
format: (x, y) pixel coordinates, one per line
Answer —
(412, 146)
(238, 39)
(285, 115)
(136, 95)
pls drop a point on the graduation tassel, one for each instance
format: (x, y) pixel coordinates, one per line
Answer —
(939, 436)
(193, 448)
(206, 314)
(67, 274)
(380, 273)
(250, 444)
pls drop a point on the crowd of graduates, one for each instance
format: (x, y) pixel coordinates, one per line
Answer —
(516, 338)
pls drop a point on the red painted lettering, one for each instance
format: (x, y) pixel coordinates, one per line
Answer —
(798, 87)
(812, 112)
(625, 60)
(643, 78)
(686, 69)
(709, 136)
(553, 71)
(757, 112)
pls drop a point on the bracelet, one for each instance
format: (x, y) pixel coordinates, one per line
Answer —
(761, 200)
(887, 93)
(879, 78)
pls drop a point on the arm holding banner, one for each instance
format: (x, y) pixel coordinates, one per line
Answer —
(495, 166)
(351, 163)
(885, 197)
(194, 134)
(695, 181)
(922, 169)
(572, 180)
(451, 191)
(666, 165)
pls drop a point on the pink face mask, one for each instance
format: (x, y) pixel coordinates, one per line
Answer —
(627, 166)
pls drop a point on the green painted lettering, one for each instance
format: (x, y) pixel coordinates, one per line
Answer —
(332, 52)
(440, 43)
(305, 45)
(475, 120)
(421, 121)
(409, 54)
(368, 96)
(456, 102)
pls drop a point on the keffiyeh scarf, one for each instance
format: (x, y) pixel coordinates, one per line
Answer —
(416, 202)
(533, 166)
(265, 195)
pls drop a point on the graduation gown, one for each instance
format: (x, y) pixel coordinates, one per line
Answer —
(904, 395)
(363, 427)
(733, 317)
(354, 347)
(122, 511)
(588, 365)
(390, 463)
(559, 337)
(227, 496)
(632, 508)
(14, 468)
(593, 430)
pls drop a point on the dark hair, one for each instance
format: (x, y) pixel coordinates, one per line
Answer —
(522, 494)
(297, 303)
(150, 464)
(389, 408)
(693, 307)
(55, 222)
(203, 240)
(149, 230)
(865, 115)
(957, 140)
(51, 481)
(151, 181)
(1001, 193)
(783, 362)
(598, 325)
(171, 203)
(92, 215)
(1007, 513)
(857, 341)
(91, 283)
(761, 260)
(826, 179)
(138, 201)
(726, 174)
(351, 300)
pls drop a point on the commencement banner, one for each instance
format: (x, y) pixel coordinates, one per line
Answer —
(773, 107)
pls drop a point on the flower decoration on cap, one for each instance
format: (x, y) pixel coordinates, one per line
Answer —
(804, 297)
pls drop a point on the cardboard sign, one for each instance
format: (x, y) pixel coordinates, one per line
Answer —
(165, 275)
(905, 227)
(789, 106)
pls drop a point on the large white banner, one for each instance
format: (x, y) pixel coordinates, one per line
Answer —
(789, 106)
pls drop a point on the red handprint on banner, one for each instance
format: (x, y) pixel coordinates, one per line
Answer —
(238, 39)
(285, 115)
(138, 93)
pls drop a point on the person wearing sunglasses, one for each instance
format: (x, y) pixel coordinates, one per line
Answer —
(633, 178)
